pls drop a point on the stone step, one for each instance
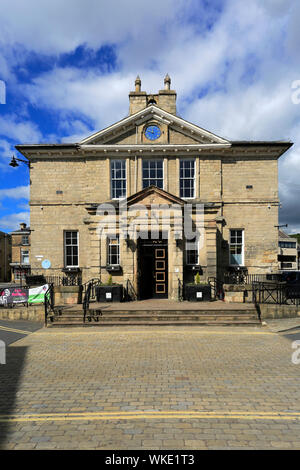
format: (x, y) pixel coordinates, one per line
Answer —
(68, 313)
(153, 317)
(160, 323)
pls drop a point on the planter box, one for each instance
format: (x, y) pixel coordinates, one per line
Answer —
(197, 292)
(109, 293)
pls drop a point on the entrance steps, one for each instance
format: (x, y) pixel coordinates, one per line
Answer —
(118, 317)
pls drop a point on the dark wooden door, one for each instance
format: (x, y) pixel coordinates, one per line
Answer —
(161, 272)
(152, 270)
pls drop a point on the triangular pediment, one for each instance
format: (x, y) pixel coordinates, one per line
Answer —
(153, 195)
(124, 131)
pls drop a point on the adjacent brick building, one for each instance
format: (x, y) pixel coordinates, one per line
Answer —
(5, 256)
(20, 261)
(287, 252)
(153, 156)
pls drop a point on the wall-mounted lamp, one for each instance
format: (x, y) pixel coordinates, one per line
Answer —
(14, 162)
(127, 240)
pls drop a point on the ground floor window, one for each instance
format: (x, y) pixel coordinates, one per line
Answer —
(20, 274)
(71, 243)
(113, 250)
(192, 252)
(236, 247)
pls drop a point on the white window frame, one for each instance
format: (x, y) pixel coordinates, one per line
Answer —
(109, 238)
(26, 253)
(187, 250)
(193, 179)
(25, 243)
(123, 162)
(65, 249)
(237, 244)
(163, 171)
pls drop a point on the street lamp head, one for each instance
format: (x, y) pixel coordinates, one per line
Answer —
(14, 162)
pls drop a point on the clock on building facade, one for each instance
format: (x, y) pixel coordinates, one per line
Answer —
(152, 132)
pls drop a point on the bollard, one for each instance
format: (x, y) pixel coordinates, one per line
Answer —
(2, 352)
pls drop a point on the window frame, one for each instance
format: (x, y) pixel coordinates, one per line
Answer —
(108, 254)
(237, 244)
(284, 244)
(122, 179)
(65, 250)
(187, 250)
(182, 160)
(26, 253)
(25, 243)
(156, 160)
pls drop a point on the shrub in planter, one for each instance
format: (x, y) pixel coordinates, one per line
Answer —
(198, 291)
(109, 292)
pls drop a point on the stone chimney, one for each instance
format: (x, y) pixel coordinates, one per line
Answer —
(164, 99)
(137, 98)
(23, 226)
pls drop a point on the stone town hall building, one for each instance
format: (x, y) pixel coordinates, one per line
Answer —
(153, 156)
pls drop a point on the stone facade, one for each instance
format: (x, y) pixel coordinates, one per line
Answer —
(234, 182)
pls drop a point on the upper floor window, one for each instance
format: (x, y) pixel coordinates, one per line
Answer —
(287, 244)
(118, 179)
(25, 257)
(113, 250)
(71, 249)
(153, 173)
(187, 178)
(25, 240)
(236, 247)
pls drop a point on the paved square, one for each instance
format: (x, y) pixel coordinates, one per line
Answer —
(150, 388)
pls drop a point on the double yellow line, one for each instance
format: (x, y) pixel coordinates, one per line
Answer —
(14, 330)
(158, 415)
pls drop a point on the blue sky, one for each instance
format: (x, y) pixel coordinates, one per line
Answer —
(68, 67)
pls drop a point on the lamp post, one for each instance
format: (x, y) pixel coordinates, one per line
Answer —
(14, 163)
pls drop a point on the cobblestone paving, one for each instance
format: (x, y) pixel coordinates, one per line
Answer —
(150, 388)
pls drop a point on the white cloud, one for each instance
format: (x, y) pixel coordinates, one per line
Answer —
(56, 27)
(20, 192)
(20, 130)
(12, 221)
(233, 78)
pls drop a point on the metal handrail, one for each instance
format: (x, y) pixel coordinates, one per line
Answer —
(48, 302)
(86, 300)
(217, 287)
(130, 291)
(180, 290)
(95, 281)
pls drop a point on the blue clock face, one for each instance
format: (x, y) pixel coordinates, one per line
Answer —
(152, 132)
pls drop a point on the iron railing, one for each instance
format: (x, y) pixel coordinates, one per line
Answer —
(242, 278)
(64, 280)
(180, 290)
(275, 293)
(217, 291)
(86, 300)
(130, 292)
(49, 302)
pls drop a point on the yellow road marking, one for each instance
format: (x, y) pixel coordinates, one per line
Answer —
(13, 330)
(240, 415)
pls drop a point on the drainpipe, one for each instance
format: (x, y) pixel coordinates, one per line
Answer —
(135, 161)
